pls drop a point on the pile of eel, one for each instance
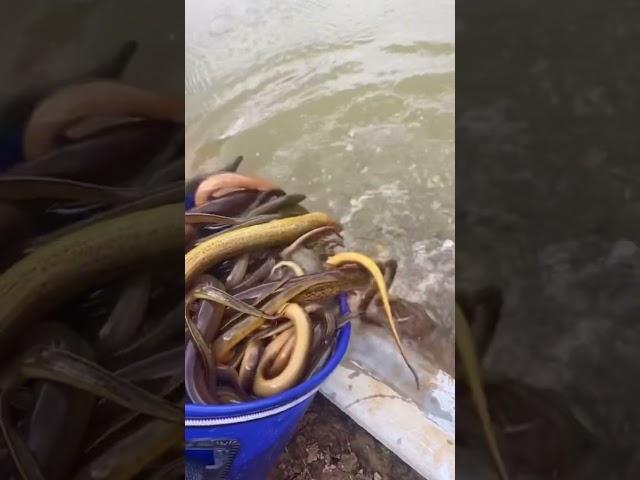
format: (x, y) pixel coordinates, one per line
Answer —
(91, 384)
(263, 276)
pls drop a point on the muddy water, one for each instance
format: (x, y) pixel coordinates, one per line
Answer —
(351, 103)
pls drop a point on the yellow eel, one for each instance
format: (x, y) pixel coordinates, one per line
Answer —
(265, 387)
(233, 243)
(469, 358)
(374, 270)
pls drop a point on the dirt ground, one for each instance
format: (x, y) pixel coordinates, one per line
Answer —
(331, 446)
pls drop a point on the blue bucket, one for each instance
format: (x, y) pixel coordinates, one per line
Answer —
(244, 441)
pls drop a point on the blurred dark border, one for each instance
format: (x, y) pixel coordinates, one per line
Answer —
(44, 47)
(547, 209)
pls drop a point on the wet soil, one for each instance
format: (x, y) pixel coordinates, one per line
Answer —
(330, 446)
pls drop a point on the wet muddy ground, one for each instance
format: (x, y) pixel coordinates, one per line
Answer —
(330, 446)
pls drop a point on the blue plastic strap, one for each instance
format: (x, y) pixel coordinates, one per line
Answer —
(344, 304)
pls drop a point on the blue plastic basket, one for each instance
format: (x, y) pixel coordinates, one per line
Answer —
(244, 441)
